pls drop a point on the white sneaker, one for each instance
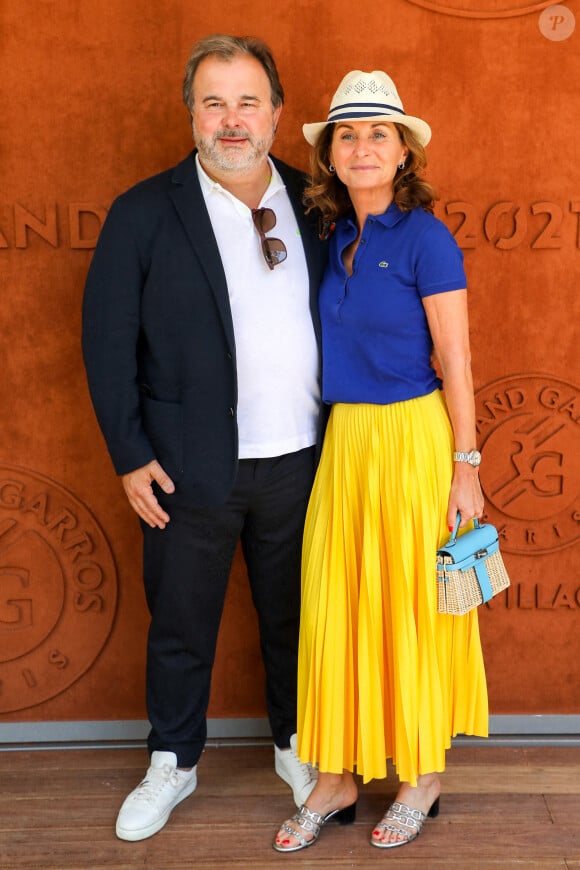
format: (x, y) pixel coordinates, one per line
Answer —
(147, 808)
(299, 776)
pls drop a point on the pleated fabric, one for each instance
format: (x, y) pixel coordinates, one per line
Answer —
(381, 674)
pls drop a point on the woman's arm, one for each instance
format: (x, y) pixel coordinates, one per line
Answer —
(449, 327)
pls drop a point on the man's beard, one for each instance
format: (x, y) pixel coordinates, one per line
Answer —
(230, 160)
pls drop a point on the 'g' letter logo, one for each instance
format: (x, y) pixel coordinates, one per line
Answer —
(529, 433)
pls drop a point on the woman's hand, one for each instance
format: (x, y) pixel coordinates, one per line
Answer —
(465, 496)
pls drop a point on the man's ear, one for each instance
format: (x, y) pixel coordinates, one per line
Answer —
(276, 116)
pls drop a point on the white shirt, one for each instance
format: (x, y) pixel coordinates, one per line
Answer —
(276, 351)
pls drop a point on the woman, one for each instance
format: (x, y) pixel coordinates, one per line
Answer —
(381, 673)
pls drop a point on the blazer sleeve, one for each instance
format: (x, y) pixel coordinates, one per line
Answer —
(110, 336)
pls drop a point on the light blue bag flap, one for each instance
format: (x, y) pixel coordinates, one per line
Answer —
(463, 549)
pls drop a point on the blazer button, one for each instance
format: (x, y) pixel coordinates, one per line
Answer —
(231, 412)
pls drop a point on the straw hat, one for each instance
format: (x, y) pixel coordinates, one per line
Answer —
(370, 97)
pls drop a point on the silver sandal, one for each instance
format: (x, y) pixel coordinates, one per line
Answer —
(312, 823)
(404, 817)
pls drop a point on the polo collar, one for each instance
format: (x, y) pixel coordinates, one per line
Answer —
(388, 218)
(391, 216)
(209, 186)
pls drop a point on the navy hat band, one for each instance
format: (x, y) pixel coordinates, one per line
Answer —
(361, 110)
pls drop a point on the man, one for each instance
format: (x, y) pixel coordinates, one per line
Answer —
(201, 348)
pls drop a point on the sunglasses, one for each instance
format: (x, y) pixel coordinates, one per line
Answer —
(274, 250)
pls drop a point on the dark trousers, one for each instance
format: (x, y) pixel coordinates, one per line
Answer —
(186, 572)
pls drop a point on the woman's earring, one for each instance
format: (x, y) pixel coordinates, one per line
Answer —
(401, 164)
(331, 169)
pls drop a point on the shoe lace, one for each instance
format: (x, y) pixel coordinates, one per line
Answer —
(307, 771)
(155, 781)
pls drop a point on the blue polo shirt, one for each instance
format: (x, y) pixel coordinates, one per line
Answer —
(376, 345)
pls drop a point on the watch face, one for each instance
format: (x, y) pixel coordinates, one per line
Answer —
(475, 457)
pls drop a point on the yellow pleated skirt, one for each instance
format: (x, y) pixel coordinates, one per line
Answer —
(381, 674)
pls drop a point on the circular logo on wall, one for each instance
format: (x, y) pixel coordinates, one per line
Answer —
(485, 8)
(529, 435)
(58, 589)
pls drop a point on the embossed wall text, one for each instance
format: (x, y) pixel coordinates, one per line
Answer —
(77, 224)
(550, 595)
(508, 225)
(505, 225)
(58, 589)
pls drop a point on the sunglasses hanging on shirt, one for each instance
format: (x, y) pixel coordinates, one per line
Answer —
(274, 250)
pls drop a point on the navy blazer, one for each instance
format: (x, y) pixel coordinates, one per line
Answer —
(158, 338)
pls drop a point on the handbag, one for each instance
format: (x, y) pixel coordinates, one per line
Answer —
(470, 569)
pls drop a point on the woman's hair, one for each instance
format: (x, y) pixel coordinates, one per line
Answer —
(226, 48)
(327, 193)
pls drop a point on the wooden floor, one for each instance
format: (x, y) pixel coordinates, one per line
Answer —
(500, 807)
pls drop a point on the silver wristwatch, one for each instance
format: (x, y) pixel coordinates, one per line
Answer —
(473, 457)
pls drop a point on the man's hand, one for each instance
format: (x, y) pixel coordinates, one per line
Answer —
(137, 485)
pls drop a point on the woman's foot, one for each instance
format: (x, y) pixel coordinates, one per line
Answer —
(399, 826)
(332, 793)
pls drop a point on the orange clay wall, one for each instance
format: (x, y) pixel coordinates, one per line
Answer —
(90, 103)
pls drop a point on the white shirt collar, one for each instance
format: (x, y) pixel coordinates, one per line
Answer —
(212, 188)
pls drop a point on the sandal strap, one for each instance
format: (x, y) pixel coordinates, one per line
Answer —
(293, 832)
(407, 835)
(308, 821)
(404, 815)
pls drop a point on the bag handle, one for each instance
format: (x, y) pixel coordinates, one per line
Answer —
(456, 527)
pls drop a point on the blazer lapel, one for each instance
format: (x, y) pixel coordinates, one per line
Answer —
(190, 205)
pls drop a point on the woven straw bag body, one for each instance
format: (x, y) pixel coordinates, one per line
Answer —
(470, 569)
